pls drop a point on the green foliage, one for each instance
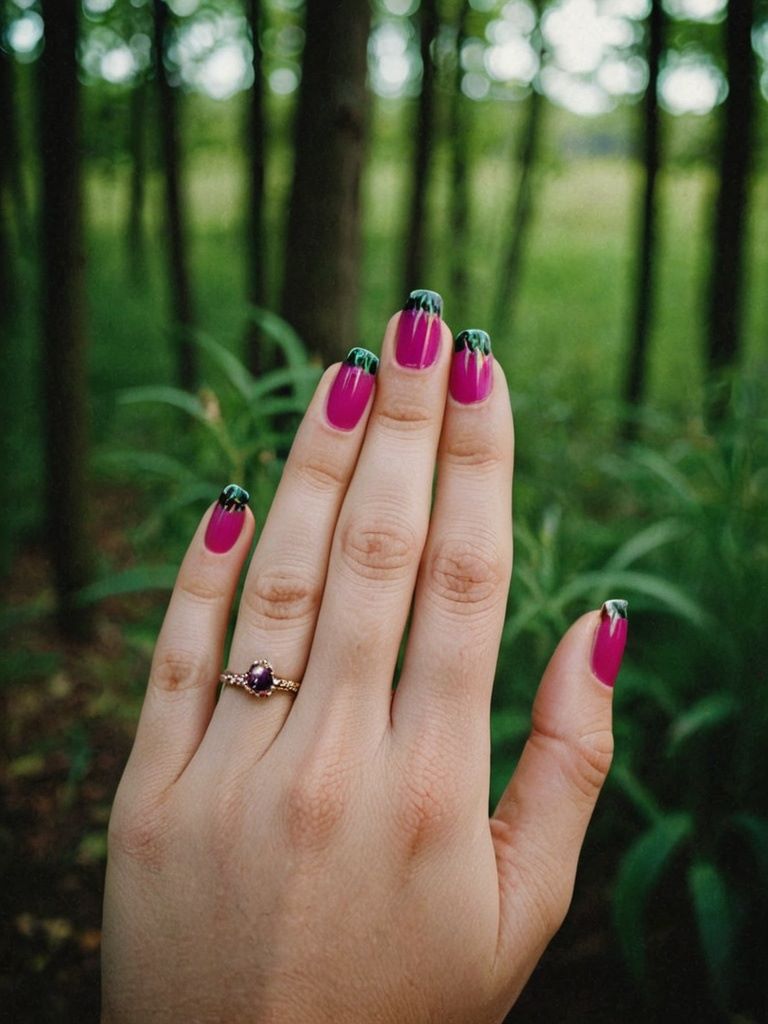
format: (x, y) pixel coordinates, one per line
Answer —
(235, 429)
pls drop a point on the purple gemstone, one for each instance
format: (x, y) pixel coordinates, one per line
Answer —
(259, 679)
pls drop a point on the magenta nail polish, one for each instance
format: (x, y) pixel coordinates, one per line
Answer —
(227, 519)
(352, 388)
(472, 367)
(418, 330)
(610, 640)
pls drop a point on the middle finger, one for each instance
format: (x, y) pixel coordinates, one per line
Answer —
(380, 533)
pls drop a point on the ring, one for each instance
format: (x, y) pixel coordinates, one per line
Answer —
(260, 680)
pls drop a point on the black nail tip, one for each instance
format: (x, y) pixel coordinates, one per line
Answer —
(426, 301)
(475, 340)
(363, 359)
(234, 498)
(615, 609)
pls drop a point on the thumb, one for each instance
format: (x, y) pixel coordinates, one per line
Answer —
(539, 825)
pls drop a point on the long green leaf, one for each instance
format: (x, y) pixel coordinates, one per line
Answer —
(639, 873)
(662, 468)
(647, 540)
(228, 363)
(131, 581)
(145, 463)
(664, 593)
(295, 377)
(715, 924)
(705, 714)
(166, 396)
(622, 777)
(754, 830)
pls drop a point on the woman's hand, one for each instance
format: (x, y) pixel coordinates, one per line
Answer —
(329, 856)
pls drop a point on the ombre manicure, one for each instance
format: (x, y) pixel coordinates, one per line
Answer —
(418, 330)
(352, 388)
(472, 367)
(227, 519)
(610, 640)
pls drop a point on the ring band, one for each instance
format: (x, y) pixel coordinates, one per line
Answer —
(260, 680)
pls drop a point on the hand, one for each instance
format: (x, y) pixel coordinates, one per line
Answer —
(329, 856)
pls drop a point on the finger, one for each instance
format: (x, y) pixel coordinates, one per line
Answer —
(187, 660)
(538, 827)
(378, 540)
(458, 615)
(282, 591)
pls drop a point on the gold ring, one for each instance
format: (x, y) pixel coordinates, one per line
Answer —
(260, 680)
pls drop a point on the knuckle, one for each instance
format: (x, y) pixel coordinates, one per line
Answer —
(583, 759)
(426, 807)
(175, 669)
(464, 572)
(279, 595)
(477, 451)
(378, 548)
(315, 805)
(197, 587)
(401, 415)
(320, 473)
(139, 835)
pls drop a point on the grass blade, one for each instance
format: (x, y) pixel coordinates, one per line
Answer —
(715, 924)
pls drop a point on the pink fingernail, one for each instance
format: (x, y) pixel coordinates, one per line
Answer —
(472, 367)
(610, 640)
(227, 519)
(418, 330)
(352, 388)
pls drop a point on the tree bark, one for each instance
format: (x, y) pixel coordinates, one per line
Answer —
(634, 384)
(725, 294)
(459, 213)
(7, 154)
(321, 283)
(178, 270)
(65, 406)
(256, 250)
(423, 147)
(512, 259)
(137, 187)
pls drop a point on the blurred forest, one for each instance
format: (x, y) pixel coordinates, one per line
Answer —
(202, 202)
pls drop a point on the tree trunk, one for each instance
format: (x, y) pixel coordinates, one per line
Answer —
(7, 134)
(512, 258)
(634, 384)
(726, 281)
(323, 244)
(137, 188)
(178, 271)
(65, 405)
(423, 146)
(255, 244)
(460, 177)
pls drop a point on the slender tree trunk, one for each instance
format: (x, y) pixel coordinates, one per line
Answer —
(634, 384)
(725, 293)
(323, 253)
(459, 213)
(65, 405)
(424, 137)
(137, 188)
(7, 134)
(178, 271)
(256, 249)
(512, 259)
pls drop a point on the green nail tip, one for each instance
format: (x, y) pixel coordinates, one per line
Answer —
(615, 609)
(474, 340)
(426, 301)
(363, 359)
(234, 498)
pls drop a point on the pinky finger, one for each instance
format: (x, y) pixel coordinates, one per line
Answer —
(181, 694)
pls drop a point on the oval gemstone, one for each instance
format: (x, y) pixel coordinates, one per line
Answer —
(259, 678)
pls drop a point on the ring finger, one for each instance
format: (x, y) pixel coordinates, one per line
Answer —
(282, 591)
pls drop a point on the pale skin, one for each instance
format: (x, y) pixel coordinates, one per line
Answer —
(329, 857)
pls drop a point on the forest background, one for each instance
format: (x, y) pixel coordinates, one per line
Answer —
(202, 202)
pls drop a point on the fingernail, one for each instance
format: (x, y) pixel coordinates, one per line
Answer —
(227, 519)
(352, 388)
(418, 330)
(610, 639)
(472, 367)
